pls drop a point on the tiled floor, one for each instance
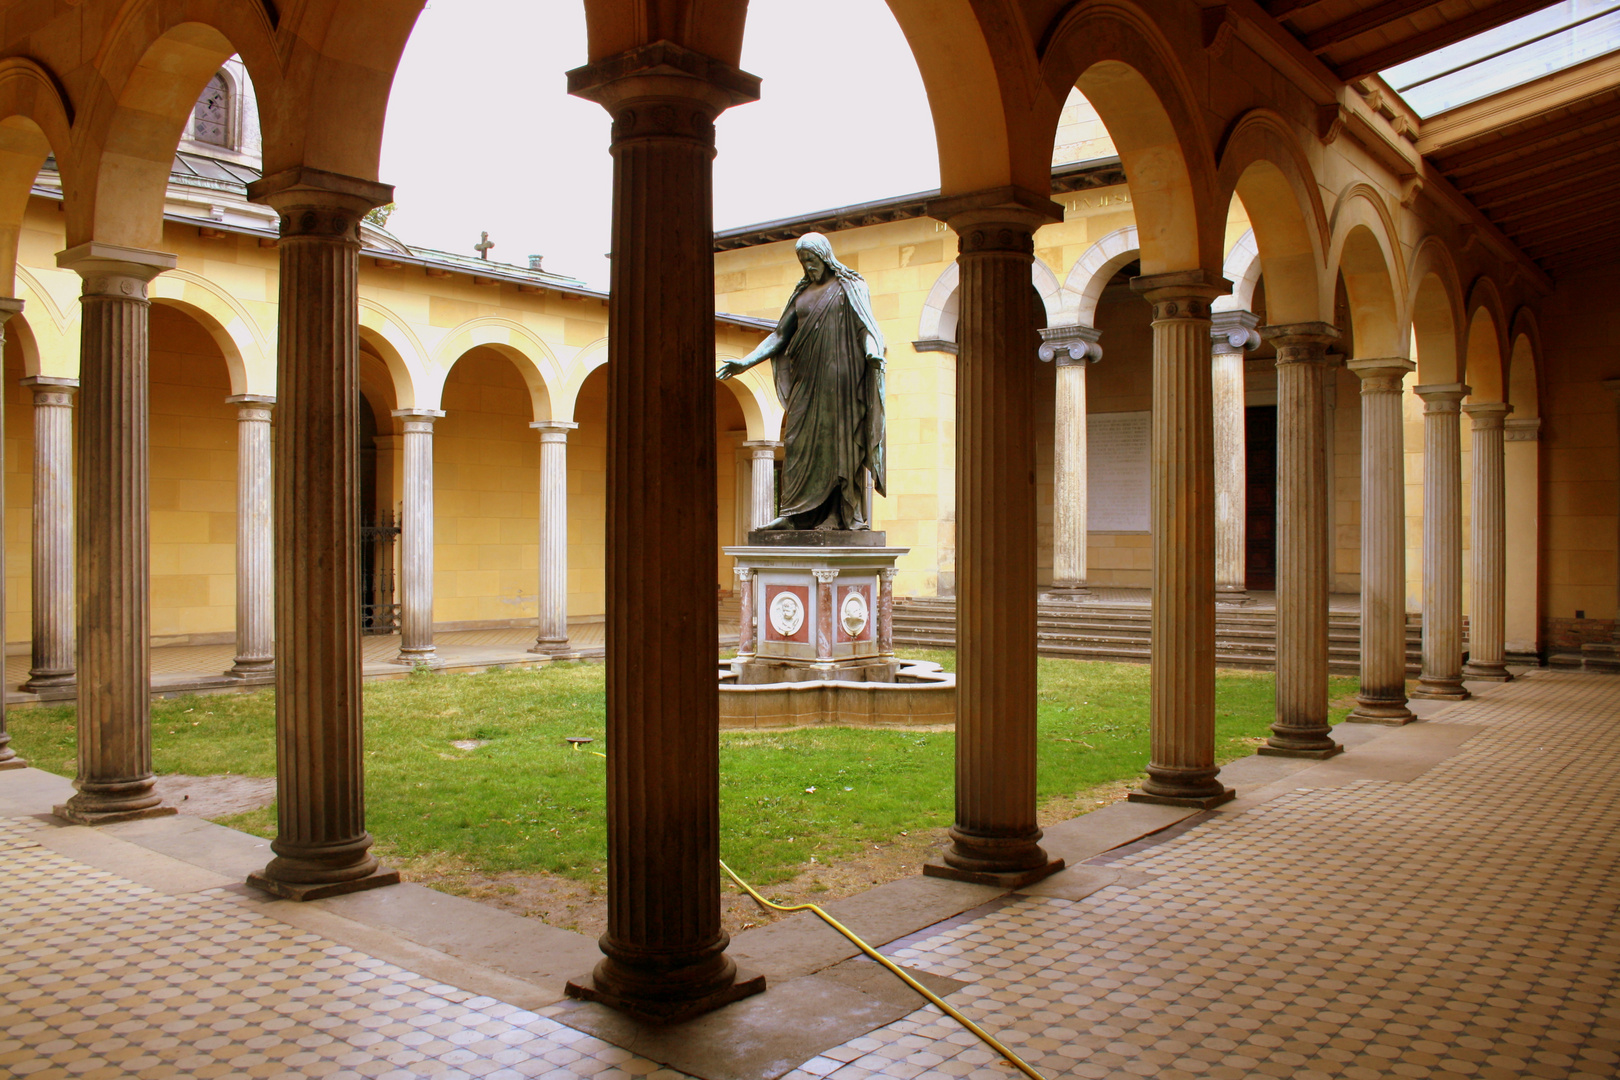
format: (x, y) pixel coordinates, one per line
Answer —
(1459, 924)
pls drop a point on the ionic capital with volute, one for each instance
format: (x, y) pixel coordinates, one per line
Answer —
(1070, 345)
(1234, 331)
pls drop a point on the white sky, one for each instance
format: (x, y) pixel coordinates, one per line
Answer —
(481, 133)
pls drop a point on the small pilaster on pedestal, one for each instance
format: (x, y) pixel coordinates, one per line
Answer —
(1074, 348)
(1232, 333)
(551, 594)
(54, 645)
(762, 481)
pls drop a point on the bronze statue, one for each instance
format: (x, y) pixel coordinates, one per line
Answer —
(828, 361)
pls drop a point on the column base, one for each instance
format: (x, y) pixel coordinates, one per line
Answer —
(1486, 672)
(1316, 753)
(1232, 597)
(295, 890)
(557, 650)
(428, 657)
(1197, 802)
(1016, 879)
(75, 815)
(1065, 593)
(1440, 690)
(245, 668)
(13, 763)
(1391, 711)
(649, 1011)
(49, 680)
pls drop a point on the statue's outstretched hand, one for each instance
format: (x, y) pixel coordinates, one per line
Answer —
(728, 369)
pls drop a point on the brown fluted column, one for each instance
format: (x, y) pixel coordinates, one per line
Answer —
(762, 486)
(1382, 697)
(551, 634)
(416, 539)
(995, 838)
(1487, 620)
(9, 306)
(255, 544)
(1442, 542)
(1232, 333)
(664, 947)
(114, 614)
(1182, 769)
(1074, 348)
(53, 642)
(321, 845)
(1301, 728)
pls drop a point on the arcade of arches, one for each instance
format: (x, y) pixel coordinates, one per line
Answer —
(1244, 253)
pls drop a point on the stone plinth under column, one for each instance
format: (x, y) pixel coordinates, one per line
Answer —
(816, 599)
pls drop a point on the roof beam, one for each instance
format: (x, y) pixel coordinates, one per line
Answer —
(1281, 9)
(1584, 195)
(1551, 214)
(1528, 136)
(1539, 232)
(1446, 33)
(1334, 33)
(1606, 239)
(1527, 166)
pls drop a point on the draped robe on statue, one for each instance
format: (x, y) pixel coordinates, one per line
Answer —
(833, 404)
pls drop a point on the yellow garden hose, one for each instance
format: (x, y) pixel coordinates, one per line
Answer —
(933, 999)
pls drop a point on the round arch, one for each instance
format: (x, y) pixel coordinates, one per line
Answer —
(55, 331)
(227, 344)
(584, 364)
(396, 344)
(247, 353)
(757, 399)
(1485, 361)
(939, 314)
(1524, 366)
(1261, 164)
(1115, 54)
(1363, 252)
(1092, 271)
(34, 123)
(511, 339)
(1436, 310)
(1242, 269)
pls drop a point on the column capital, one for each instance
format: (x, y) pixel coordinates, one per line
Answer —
(1234, 330)
(1301, 343)
(1070, 345)
(425, 415)
(1181, 294)
(557, 430)
(311, 190)
(118, 272)
(1487, 414)
(762, 448)
(1442, 397)
(825, 575)
(264, 401)
(661, 74)
(9, 306)
(1522, 429)
(41, 383)
(996, 219)
(1383, 368)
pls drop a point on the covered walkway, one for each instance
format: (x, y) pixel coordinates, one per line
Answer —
(1440, 901)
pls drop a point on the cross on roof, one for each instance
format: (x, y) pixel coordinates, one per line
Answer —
(483, 246)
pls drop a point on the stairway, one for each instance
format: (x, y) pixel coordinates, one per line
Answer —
(1244, 637)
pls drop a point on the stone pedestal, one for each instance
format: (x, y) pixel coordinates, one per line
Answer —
(819, 608)
(1301, 728)
(54, 646)
(1442, 542)
(995, 837)
(551, 633)
(664, 950)
(1382, 697)
(9, 306)
(416, 540)
(321, 846)
(1488, 524)
(114, 779)
(1182, 769)
(1232, 333)
(255, 540)
(1074, 348)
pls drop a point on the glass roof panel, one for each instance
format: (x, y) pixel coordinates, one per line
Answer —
(1510, 55)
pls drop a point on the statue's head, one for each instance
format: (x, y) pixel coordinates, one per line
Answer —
(815, 255)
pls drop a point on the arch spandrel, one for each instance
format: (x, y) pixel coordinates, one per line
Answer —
(1114, 53)
(583, 365)
(532, 357)
(246, 348)
(393, 341)
(55, 327)
(1092, 271)
(1262, 164)
(1364, 253)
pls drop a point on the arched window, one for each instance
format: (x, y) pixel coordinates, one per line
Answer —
(210, 120)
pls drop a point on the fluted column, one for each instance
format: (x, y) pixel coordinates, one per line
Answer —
(1182, 769)
(1488, 531)
(995, 837)
(551, 635)
(416, 539)
(255, 542)
(1232, 334)
(664, 947)
(762, 490)
(321, 846)
(1301, 728)
(1382, 697)
(53, 645)
(9, 306)
(114, 779)
(1073, 348)
(1442, 542)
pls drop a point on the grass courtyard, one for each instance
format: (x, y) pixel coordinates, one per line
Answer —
(517, 798)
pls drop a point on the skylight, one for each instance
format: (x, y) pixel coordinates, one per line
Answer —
(1513, 54)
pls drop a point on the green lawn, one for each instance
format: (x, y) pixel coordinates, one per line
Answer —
(527, 801)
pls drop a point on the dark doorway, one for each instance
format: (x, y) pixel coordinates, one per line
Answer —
(1260, 526)
(379, 608)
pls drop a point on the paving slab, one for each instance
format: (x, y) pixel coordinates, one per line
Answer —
(104, 851)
